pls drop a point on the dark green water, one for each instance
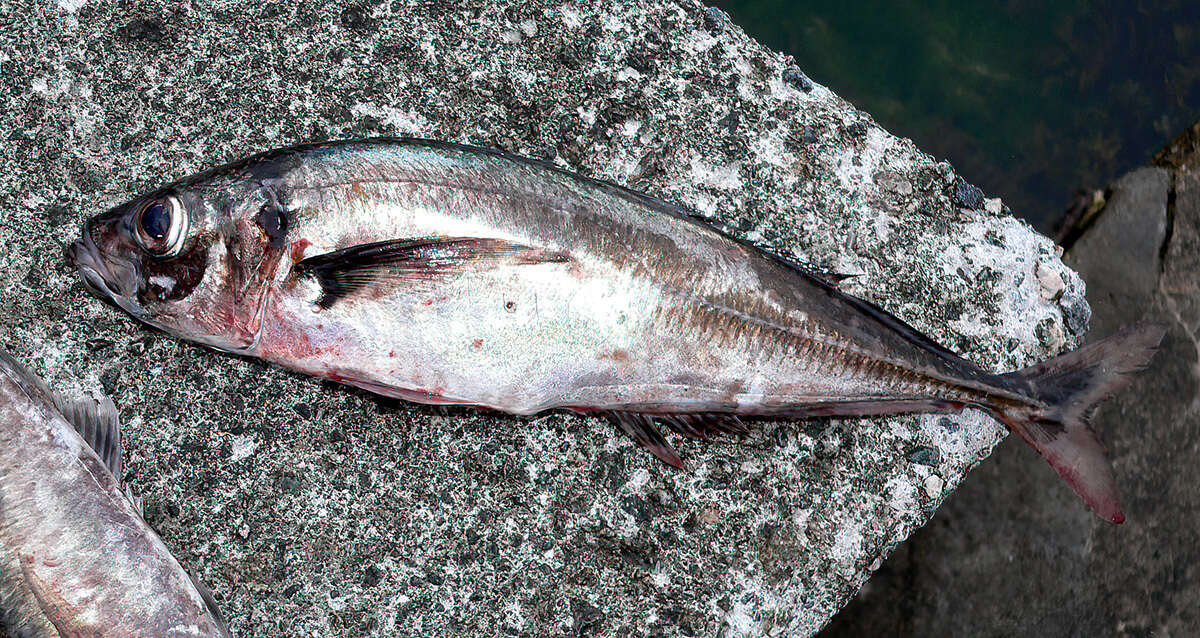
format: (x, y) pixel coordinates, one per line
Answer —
(1028, 100)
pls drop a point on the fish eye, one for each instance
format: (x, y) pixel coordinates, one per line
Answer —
(161, 226)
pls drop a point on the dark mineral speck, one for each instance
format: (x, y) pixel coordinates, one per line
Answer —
(1045, 332)
(924, 455)
(57, 215)
(948, 424)
(232, 426)
(585, 614)
(856, 130)
(1077, 312)
(290, 485)
(714, 20)
(967, 195)
(108, 380)
(357, 18)
(796, 79)
(730, 122)
(143, 30)
(639, 508)
(371, 576)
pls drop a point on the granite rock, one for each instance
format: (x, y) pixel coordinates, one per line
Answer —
(1009, 554)
(314, 509)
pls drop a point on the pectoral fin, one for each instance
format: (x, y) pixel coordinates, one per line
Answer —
(407, 261)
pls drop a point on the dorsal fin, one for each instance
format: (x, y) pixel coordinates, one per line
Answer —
(98, 423)
(895, 323)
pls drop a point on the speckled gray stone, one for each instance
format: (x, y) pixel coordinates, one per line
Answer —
(313, 509)
(1010, 554)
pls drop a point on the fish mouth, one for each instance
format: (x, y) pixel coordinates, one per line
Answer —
(100, 279)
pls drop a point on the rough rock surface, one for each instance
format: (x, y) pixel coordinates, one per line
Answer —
(313, 509)
(1120, 253)
(1009, 554)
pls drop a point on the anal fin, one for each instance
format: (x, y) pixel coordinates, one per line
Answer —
(642, 428)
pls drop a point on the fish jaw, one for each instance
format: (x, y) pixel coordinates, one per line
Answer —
(113, 280)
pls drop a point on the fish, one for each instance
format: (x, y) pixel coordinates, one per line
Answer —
(448, 274)
(77, 558)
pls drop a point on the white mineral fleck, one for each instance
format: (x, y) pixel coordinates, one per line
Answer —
(934, 485)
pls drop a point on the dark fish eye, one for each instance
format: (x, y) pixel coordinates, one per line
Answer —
(161, 226)
(156, 221)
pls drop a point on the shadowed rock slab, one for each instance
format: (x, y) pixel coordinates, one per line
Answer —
(313, 509)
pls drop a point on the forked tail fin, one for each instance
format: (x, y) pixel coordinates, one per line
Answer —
(1071, 386)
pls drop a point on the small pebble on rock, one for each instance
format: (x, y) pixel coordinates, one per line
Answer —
(934, 485)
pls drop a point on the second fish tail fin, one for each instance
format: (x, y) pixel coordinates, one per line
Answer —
(1070, 387)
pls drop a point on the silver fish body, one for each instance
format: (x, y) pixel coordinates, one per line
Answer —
(76, 558)
(446, 274)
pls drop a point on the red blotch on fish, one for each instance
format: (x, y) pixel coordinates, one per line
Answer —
(284, 339)
(298, 248)
(618, 355)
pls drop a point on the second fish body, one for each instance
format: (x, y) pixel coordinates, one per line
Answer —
(76, 557)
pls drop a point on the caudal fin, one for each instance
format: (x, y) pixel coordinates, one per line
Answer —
(1071, 386)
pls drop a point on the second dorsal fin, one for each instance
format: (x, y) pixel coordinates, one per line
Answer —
(96, 420)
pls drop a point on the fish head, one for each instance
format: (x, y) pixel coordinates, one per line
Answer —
(195, 259)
